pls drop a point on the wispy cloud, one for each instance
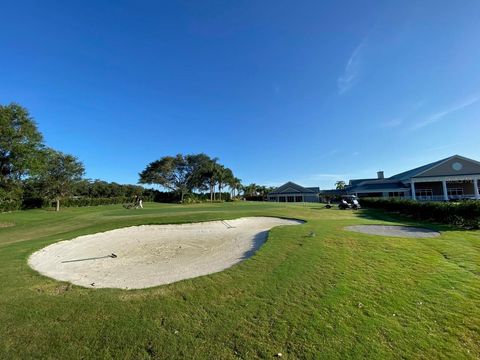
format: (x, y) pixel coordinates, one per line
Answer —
(328, 154)
(392, 123)
(351, 72)
(472, 99)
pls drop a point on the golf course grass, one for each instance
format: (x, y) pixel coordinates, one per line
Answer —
(312, 291)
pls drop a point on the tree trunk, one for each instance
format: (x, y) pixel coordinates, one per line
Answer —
(181, 196)
(220, 191)
(57, 202)
(211, 192)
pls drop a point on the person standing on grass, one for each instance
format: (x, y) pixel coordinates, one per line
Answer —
(140, 202)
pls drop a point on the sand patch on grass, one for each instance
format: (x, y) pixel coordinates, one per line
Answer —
(150, 255)
(6, 224)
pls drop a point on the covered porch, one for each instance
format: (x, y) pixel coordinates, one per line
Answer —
(445, 188)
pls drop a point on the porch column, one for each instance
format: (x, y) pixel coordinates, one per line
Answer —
(445, 191)
(412, 189)
(475, 187)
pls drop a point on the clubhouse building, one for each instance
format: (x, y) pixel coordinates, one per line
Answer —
(453, 178)
(291, 192)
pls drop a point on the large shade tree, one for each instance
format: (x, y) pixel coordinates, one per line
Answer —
(177, 173)
(59, 174)
(20, 145)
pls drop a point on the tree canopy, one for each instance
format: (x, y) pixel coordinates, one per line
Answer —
(340, 185)
(172, 172)
(58, 174)
(20, 145)
(185, 173)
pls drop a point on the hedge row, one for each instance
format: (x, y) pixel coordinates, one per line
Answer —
(10, 205)
(81, 201)
(465, 213)
(33, 203)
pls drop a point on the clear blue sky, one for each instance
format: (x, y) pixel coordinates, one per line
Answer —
(309, 91)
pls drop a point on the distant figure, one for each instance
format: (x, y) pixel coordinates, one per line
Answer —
(135, 202)
(356, 204)
(140, 203)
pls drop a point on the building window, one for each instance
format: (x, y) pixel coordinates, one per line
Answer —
(281, 198)
(299, 198)
(455, 192)
(290, 198)
(272, 198)
(424, 194)
(396, 194)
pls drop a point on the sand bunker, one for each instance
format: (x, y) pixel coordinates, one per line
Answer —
(150, 255)
(396, 231)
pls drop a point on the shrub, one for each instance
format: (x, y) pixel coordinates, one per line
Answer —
(9, 205)
(32, 203)
(465, 213)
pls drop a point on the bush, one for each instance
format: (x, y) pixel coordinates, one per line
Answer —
(465, 214)
(10, 200)
(9, 205)
(83, 201)
(32, 203)
(204, 198)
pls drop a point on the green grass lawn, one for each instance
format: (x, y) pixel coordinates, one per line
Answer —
(337, 294)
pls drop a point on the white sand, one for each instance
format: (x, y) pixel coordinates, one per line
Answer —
(396, 231)
(152, 255)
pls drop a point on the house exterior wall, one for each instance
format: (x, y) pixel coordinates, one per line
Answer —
(293, 197)
(447, 168)
(311, 198)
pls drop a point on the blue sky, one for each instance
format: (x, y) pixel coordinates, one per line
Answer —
(308, 91)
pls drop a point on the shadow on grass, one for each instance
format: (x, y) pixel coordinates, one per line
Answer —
(375, 214)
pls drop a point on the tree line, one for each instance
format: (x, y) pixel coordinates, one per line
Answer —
(25, 158)
(32, 173)
(186, 174)
(197, 174)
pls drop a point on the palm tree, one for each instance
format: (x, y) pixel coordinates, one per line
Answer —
(251, 190)
(224, 176)
(340, 185)
(235, 184)
(209, 175)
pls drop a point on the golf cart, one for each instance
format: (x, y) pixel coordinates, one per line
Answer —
(349, 202)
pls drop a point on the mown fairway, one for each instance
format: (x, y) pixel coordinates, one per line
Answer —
(337, 294)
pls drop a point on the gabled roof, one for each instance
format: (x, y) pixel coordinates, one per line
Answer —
(291, 187)
(376, 185)
(358, 181)
(379, 186)
(417, 171)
